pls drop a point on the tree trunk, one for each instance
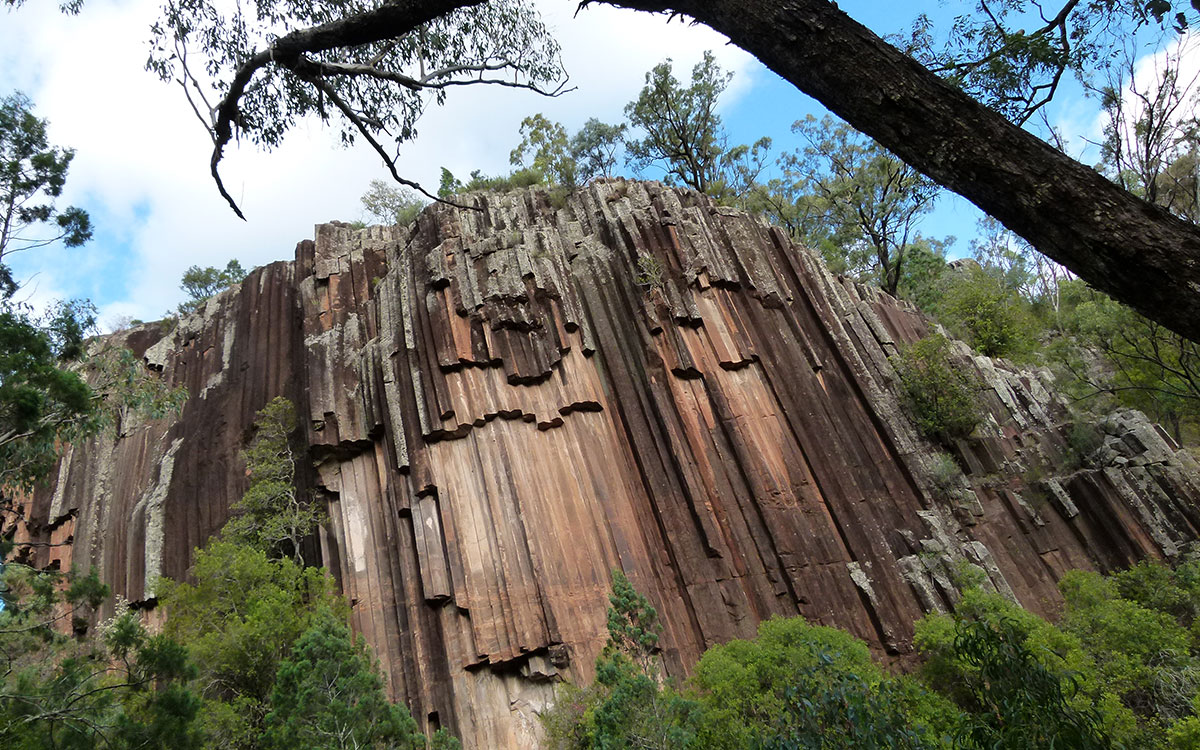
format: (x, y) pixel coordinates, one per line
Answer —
(1120, 244)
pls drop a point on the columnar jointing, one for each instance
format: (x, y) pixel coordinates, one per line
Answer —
(504, 404)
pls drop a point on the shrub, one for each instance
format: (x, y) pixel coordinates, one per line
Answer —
(992, 318)
(807, 686)
(940, 394)
(1084, 441)
(945, 473)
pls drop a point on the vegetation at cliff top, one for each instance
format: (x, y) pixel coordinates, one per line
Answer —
(860, 207)
(202, 283)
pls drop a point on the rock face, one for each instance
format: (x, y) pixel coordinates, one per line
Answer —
(504, 404)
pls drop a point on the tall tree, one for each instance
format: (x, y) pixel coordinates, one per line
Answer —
(42, 399)
(32, 175)
(595, 147)
(328, 696)
(546, 148)
(868, 198)
(683, 132)
(64, 684)
(272, 516)
(568, 160)
(1151, 128)
(324, 58)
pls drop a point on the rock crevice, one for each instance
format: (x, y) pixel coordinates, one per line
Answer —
(504, 404)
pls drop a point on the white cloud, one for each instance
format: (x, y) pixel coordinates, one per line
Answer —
(1084, 123)
(142, 158)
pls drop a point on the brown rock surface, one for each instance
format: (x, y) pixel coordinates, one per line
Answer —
(503, 405)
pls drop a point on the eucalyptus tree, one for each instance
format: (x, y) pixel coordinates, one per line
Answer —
(32, 176)
(682, 132)
(868, 198)
(256, 71)
(371, 69)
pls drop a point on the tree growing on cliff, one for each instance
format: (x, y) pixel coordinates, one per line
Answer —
(867, 198)
(202, 283)
(323, 59)
(389, 204)
(563, 160)
(271, 516)
(682, 132)
(940, 394)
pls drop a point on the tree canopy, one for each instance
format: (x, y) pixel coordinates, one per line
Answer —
(367, 66)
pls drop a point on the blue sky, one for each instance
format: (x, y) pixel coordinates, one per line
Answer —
(141, 164)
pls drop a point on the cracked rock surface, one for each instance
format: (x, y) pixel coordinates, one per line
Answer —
(503, 405)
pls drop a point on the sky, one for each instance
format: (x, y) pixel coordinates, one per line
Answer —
(141, 164)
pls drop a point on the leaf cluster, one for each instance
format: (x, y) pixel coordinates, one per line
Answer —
(32, 175)
(388, 204)
(940, 393)
(202, 283)
(62, 685)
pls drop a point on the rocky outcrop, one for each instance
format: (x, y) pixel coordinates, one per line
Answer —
(504, 404)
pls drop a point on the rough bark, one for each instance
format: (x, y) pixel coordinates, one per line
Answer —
(498, 413)
(1134, 251)
(1122, 245)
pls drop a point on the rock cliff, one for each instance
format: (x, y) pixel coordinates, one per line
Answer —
(504, 404)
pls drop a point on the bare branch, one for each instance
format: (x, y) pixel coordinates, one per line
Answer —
(388, 161)
(388, 21)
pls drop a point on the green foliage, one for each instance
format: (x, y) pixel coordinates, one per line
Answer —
(982, 657)
(941, 395)
(626, 707)
(945, 473)
(563, 161)
(683, 133)
(651, 273)
(238, 622)
(1124, 656)
(202, 283)
(1013, 59)
(1141, 364)
(803, 686)
(503, 42)
(43, 400)
(987, 314)
(520, 178)
(595, 147)
(795, 686)
(1084, 441)
(278, 667)
(328, 695)
(270, 516)
(388, 204)
(449, 184)
(922, 273)
(546, 145)
(1018, 702)
(633, 626)
(32, 175)
(118, 687)
(868, 201)
(56, 387)
(1139, 625)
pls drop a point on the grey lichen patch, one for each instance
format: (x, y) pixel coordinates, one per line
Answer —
(151, 507)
